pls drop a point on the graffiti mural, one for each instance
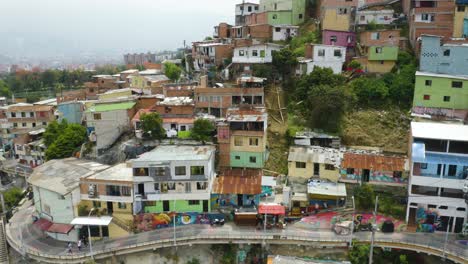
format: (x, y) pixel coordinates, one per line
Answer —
(426, 220)
(150, 221)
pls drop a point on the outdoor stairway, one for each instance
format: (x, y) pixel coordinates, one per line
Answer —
(3, 244)
(121, 223)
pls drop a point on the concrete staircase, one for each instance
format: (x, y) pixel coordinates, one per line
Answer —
(122, 224)
(3, 244)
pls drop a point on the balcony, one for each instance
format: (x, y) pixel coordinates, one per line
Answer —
(450, 168)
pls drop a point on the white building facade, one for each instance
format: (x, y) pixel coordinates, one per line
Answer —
(324, 56)
(284, 32)
(439, 170)
(380, 17)
(262, 53)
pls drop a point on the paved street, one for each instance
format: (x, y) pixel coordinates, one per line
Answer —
(34, 239)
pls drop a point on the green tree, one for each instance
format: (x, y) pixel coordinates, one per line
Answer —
(319, 76)
(53, 130)
(370, 92)
(12, 196)
(364, 196)
(193, 261)
(202, 130)
(151, 124)
(172, 71)
(403, 259)
(284, 61)
(68, 141)
(359, 254)
(4, 89)
(49, 78)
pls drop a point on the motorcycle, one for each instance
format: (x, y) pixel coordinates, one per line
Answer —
(217, 222)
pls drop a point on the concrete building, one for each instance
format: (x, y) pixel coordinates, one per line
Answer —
(261, 53)
(379, 50)
(207, 54)
(324, 56)
(441, 95)
(216, 101)
(379, 17)
(460, 20)
(222, 31)
(310, 138)
(174, 178)
(72, 111)
(22, 117)
(245, 9)
(105, 122)
(242, 138)
(339, 38)
(56, 194)
(284, 12)
(139, 58)
(363, 166)
(30, 148)
(448, 58)
(439, 162)
(111, 193)
(284, 32)
(314, 162)
(337, 18)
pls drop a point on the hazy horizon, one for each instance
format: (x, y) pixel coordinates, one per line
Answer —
(57, 28)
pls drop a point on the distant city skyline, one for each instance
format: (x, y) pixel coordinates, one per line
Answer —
(77, 29)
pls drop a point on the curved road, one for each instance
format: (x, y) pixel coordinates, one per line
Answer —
(26, 238)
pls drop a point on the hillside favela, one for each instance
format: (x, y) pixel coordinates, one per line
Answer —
(234, 132)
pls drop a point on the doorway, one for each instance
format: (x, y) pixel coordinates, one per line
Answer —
(166, 206)
(110, 208)
(365, 175)
(205, 206)
(141, 188)
(316, 169)
(412, 217)
(240, 200)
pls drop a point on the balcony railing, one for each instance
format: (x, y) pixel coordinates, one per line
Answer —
(435, 171)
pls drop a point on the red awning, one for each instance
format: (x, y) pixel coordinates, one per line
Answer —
(271, 209)
(60, 228)
(43, 224)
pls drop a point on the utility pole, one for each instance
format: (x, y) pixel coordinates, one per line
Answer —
(174, 221)
(352, 224)
(374, 227)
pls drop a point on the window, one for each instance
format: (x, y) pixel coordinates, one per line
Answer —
(241, 52)
(171, 186)
(452, 170)
(188, 187)
(202, 98)
(202, 185)
(460, 8)
(427, 17)
(122, 205)
(446, 52)
(23, 114)
(61, 197)
(125, 191)
(253, 141)
(378, 50)
(33, 124)
(332, 38)
(457, 84)
(300, 16)
(446, 98)
(428, 82)
(278, 29)
(329, 167)
(321, 53)
(140, 171)
(255, 53)
(256, 8)
(15, 124)
(180, 170)
(238, 141)
(249, 9)
(443, 207)
(426, 97)
(31, 114)
(350, 171)
(24, 124)
(197, 170)
(276, 6)
(275, 16)
(237, 157)
(253, 159)
(424, 166)
(156, 187)
(375, 35)
(96, 204)
(300, 165)
(113, 190)
(193, 202)
(97, 116)
(337, 53)
(215, 98)
(241, 8)
(159, 171)
(397, 174)
(13, 114)
(44, 123)
(431, 206)
(342, 11)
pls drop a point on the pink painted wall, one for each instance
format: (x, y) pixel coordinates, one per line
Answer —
(341, 38)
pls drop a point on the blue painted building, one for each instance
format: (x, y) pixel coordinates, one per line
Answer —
(445, 59)
(71, 111)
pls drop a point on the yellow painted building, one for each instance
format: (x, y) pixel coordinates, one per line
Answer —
(314, 162)
(336, 19)
(248, 142)
(460, 21)
(379, 66)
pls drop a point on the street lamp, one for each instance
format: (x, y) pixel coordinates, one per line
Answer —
(89, 234)
(352, 224)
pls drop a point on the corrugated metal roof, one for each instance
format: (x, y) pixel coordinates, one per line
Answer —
(374, 162)
(238, 181)
(111, 107)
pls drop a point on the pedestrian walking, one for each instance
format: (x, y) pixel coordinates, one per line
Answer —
(79, 245)
(69, 248)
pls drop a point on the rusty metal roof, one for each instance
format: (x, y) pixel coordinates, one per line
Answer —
(374, 162)
(238, 181)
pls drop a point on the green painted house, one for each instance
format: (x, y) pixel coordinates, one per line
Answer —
(284, 12)
(383, 53)
(441, 91)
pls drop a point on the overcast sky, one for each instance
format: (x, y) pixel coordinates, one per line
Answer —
(74, 26)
